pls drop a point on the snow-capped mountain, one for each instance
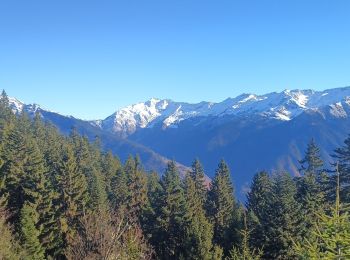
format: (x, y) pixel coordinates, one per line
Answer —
(18, 107)
(283, 106)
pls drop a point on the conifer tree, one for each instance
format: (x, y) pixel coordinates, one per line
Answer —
(30, 234)
(4, 123)
(9, 245)
(244, 252)
(312, 162)
(283, 224)
(25, 123)
(38, 131)
(342, 156)
(89, 162)
(257, 205)
(154, 188)
(222, 208)
(39, 193)
(96, 179)
(198, 176)
(4, 103)
(171, 214)
(149, 216)
(4, 169)
(110, 166)
(199, 231)
(137, 183)
(218, 253)
(330, 238)
(120, 190)
(98, 199)
(12, 171)
(311, 187)
(6, 126)
(53, 150)
(72, 188)
(6, 115)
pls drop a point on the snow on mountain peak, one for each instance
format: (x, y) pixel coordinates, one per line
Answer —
(130, 118)
(298, 97)
(282, 106)
(16, 105)
(249, 97)
(166, 113)
(337, 110)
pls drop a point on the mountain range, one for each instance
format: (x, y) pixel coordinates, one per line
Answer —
(251, 132)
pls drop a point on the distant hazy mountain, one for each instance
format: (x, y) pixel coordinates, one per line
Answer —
(251, 132)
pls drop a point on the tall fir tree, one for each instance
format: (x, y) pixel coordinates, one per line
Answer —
(120, 190)
(53, 150)
(342, 156)
(10, 247)
(198, 176)
(258, 200)
(198, 229)
(312, 162)
(154, 188)
(6, 114)
(149, 216)
(39, 132)
(12, 171)
(39, 194)
(311, 187)
(222, 208)
(72, 187)
(171, 215)
(6, 119)
(283, 224)
(96, 179)
(110, 166)
(30, 234)
(137, 183)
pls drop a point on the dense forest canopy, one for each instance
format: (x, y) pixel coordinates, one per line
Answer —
(61, 197)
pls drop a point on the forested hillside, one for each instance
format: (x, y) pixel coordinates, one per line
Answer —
(63, 198)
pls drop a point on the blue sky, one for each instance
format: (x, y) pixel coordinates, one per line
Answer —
(89, 58)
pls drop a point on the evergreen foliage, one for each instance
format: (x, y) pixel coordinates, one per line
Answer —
(137, 186)
(244, 252)
(9, 246)
(199, 232)
(311, 190)
(171, 215)
(198, 176)
(283, 224)
(29, 233)
(312, 163)
(110, 166)
(342, 157)
(221, 207)
(72, 187)
(258, 201)
(330, 239)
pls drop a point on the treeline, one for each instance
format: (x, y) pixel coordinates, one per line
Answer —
(62, 198)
